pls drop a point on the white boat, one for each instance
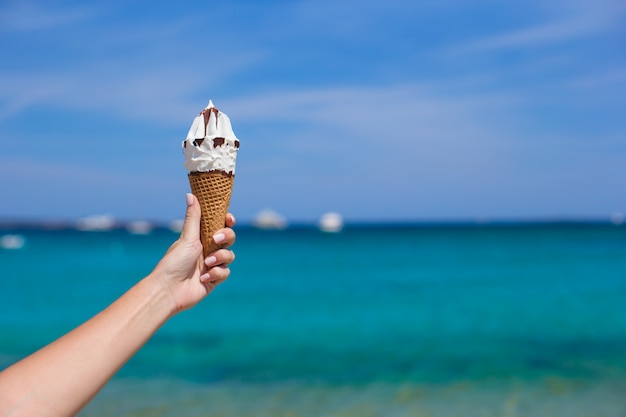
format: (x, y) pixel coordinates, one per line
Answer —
(331, 222)
(12, 242)
(270, 220)
(139, 227)
(176, 226)
(96, 223)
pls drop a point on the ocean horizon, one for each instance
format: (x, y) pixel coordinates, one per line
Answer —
(9, 223)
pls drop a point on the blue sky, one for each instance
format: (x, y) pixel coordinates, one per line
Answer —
(396, 110)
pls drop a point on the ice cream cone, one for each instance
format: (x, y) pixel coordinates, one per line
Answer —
(213, 191)
(210, 151)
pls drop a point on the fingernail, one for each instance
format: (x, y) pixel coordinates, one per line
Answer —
(205, 277)
(219, 237)
(189, 199)
(210, 260)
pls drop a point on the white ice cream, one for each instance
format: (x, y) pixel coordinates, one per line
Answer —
(211, 154)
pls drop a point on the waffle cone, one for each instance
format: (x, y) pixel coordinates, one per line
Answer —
(213, 191)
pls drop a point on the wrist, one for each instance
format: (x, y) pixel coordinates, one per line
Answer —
(163, 299)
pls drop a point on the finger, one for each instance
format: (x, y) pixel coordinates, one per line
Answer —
(224, 237)
(191, 227)
(216, 274)
(220, 257)
(230, 220)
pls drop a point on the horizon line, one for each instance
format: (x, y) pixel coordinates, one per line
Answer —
(9, 223)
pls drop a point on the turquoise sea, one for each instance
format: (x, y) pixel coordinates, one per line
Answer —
(389, 320)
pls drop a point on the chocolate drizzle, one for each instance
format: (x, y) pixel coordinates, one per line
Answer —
(216, 171)
(207, 113)
(218, 141)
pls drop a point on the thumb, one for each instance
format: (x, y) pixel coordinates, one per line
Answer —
(191, 226)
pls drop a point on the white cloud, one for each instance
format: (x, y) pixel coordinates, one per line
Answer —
(77, 175)
(535, 36)
(569, 21)
(27, 16)
(162, 93)
(613, 78)
(410, 130)
(45, 188)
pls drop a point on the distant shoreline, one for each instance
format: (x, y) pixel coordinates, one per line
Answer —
(12, 224)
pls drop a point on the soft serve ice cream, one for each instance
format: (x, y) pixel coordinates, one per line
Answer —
(211, 144)
(210, 151)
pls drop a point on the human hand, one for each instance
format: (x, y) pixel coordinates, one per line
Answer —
(183, 273)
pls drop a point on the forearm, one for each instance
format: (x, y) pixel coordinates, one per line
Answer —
(61, 378)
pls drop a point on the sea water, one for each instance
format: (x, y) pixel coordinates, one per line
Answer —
(388, 320)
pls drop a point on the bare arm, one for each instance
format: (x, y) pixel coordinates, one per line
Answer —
(61, 378)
